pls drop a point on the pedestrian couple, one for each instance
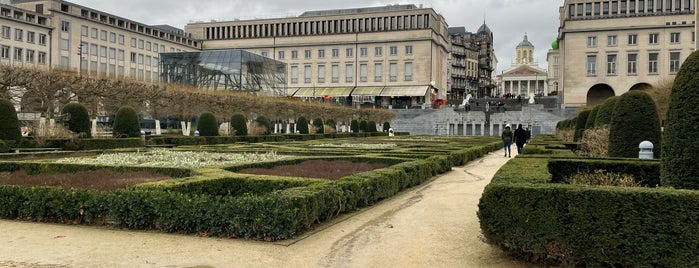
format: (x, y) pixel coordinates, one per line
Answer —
(519, 137)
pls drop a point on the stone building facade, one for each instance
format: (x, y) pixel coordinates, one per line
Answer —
(392, 56)
(606, 48)
(63, 35)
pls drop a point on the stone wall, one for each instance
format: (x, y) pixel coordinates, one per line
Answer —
(447, 121)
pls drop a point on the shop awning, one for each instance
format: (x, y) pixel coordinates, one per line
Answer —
(320, 92)
(366, 91)
(290, 91)
(410, 91)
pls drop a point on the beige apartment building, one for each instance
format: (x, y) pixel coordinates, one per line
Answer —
(606, 48)
(394, 56)
(24, 37)
(86, 40)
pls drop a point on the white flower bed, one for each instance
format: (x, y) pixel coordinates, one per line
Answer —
(177, 159)
(356, 145)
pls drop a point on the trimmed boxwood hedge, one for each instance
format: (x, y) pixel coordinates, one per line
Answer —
(263, 209)
(635, 119)
(646, 172)
(679, 162)
(523, 213)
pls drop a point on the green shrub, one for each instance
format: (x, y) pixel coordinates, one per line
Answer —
(318, 124)
(363, 126)
(9, 124)
(591, 118)
(371, 126)
(331, 124)
(302, 125)
(386, 126)
(4, 147)
(580, 124)
(679, 162)
(78, 120)
(635, 119)
(239, 125)
(207, 126)
(354, 126)
(263, 122)
(604, 115)
(126, 123)
(601, 177)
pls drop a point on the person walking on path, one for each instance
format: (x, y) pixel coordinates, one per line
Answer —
(520, 138)
(507, 137)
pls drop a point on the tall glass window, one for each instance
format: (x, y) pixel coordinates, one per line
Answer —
(349, 73)
(653, 63)
(674, 62)
(611, 64)
(632, 63)
(591, 65)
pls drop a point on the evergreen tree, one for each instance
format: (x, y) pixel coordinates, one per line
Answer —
(78, 119)
(207, 126)
(635, 119)
(318, 124)
(386, 126)
(9, 123)
(302, 125)
(126, 123)
(264, 123)
(678, 164)
(331, 124)
(363, 126)
(371, 126)
(239, 125)
(604, 115)
(592, 118)
(354, 126)
(580, 124)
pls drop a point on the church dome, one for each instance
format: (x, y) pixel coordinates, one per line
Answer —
(484, 28)
(525, 43)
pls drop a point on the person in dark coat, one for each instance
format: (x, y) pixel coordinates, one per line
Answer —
(507, 140)
(520, 138)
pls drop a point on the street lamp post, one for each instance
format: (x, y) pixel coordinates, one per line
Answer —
(80, 56)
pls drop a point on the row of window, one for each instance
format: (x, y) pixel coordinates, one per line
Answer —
(178, 37)
(632, 39)
(20, 36)
(112, 53)
(630, 7)
(117, 71)
(632, 66)
(323, 27)
(349, 72)
(23, 55)
(335, 52)
(115, 38)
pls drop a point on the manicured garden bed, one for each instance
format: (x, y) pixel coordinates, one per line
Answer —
(524, 213)
(215, 199)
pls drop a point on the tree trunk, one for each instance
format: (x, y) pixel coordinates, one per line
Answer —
(93, 129)
(158, 131)
(186, 127)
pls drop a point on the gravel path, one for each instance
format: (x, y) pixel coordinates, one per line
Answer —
(433, 225)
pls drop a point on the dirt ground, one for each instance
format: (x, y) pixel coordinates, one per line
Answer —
(432, 225)
(317, 169)
(105, 180)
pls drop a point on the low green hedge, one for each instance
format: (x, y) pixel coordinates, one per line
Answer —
(645, 172)
(224, 205)
(37, 168)
(523, 213)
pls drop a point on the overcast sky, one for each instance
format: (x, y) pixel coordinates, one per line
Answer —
(508, 19)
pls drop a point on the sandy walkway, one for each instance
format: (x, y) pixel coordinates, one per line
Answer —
(433, 225)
